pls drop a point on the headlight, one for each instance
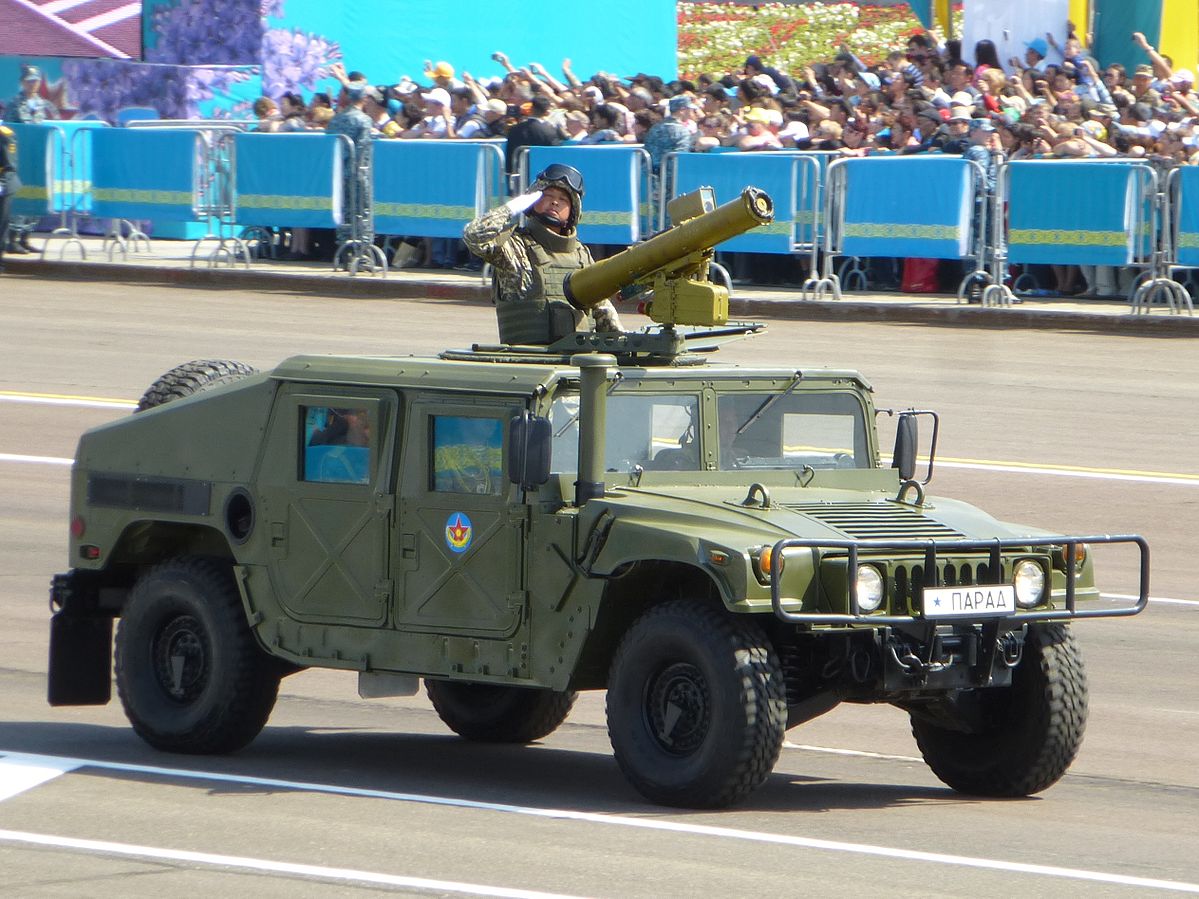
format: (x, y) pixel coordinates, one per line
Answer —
(1030, 583)
(870, 588)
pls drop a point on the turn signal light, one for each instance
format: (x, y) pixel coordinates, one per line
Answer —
(764, 561)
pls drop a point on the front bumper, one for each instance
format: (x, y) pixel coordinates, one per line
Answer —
(934, 549)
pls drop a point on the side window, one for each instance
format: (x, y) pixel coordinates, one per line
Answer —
(335, 444)
(467, 455)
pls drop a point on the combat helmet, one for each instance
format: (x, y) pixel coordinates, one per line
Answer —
(567, 178)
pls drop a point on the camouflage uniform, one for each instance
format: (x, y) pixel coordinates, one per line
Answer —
(529, 265)
(356, 125)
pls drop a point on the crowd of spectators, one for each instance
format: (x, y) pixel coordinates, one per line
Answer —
(1054, 101)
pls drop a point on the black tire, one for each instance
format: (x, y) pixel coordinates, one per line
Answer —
(189, 673)
(1030, 731)
(690, 664)
(190, 378)
(494, 713)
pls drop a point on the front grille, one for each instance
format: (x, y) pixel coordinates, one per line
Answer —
(906, 585)
(864, 521)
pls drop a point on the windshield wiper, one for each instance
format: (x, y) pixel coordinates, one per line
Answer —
(770, 401)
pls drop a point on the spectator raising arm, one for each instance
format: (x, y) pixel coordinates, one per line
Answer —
(568, 73)
(1161, 68)
(556, 86)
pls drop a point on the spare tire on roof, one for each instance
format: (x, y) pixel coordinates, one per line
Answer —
(191, 378)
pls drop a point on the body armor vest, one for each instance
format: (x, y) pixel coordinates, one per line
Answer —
(544, 315)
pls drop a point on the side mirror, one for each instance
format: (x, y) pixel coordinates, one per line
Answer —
(529, 442)
(907, 439)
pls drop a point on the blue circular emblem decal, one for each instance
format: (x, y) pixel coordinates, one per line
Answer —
(458, 532)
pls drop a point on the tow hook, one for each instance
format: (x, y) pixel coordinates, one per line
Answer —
(914, 666)
(1011, 650)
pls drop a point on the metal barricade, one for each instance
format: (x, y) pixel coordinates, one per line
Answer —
(432, 188)
(794, 180)
(1182, 240)
(72, 179)
(870, 209)
(287, 181)
(617, 207)
(1103, 212)
(147, 175)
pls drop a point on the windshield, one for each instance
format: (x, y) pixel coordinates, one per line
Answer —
(654, 432)
(770, 430)
(752, 430)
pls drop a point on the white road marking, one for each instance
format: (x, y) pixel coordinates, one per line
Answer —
(649, 823)
(21, 773)
(77, 401)
(37, 460)
(1162, 599)
(1066, 472)
(104, 847)
(856, 753)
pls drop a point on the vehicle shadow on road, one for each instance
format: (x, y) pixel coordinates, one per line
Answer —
(438, 767)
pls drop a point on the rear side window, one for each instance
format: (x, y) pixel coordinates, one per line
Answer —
(467, 455)
(336, 444)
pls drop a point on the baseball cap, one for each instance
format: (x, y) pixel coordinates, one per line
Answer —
(959, 114)
(1182, 76)
(681, 102)
(356, 90)
(1143, 69)
(440, 69)
(31, 73)
(1038, 46)
(981, 125)
(437, 95)
(496, 105)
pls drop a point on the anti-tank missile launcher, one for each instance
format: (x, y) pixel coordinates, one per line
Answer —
(674, 264)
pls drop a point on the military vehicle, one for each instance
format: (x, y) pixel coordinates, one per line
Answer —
(722, 549)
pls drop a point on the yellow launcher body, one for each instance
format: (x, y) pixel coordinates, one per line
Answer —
(675, 264)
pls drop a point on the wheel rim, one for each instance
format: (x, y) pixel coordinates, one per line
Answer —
(180, 656)
(678, 708)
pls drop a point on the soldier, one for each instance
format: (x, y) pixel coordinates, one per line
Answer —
(27, 108)
(531, 262)
(8, 181)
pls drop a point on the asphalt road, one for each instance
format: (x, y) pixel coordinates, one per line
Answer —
(1074, 432)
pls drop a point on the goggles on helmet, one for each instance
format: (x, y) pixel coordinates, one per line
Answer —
(565, 175)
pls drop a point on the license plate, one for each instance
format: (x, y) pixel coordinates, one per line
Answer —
(978, 601)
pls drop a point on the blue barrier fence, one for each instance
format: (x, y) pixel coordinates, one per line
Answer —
(434, 188)
(1115, 212)
(1080, 213)
(616, 209)
(311, 196)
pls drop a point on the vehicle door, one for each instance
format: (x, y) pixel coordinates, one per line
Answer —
(462, 525)
(327, 494)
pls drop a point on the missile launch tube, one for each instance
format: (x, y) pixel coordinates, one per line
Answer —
(588, 286)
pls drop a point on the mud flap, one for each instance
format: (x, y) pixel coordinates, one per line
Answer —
(80, 660)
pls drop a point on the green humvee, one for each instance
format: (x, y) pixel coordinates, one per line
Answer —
(718, 547)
